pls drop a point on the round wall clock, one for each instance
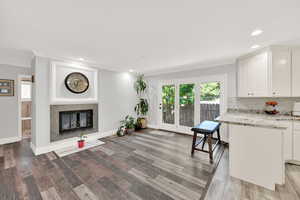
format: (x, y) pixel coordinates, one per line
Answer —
(77, 82)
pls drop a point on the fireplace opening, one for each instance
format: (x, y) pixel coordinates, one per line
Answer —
(75, 120)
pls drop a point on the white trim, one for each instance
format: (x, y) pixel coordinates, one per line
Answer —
(53, 146)
(152, 126)
(19, 82)
(9, 140)
(26, 118)
(54, 100)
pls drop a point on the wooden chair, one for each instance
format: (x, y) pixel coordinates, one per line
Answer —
(207, 129)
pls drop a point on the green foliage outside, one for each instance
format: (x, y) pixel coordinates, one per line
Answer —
(209, 92)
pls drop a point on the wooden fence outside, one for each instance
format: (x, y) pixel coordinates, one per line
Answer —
(208, 111)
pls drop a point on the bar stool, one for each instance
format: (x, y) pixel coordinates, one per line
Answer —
(207, 129)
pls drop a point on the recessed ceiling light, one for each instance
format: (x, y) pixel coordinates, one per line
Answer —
(255, 46)
(81, 59)
(131, 70)
(256, 32)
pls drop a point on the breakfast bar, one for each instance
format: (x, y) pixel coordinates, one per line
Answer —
(256, 148)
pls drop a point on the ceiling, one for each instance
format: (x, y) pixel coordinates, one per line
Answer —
(146, 36)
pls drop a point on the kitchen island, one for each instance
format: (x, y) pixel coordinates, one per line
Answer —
(256, 147)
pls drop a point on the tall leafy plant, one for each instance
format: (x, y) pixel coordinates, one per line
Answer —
(140, 87)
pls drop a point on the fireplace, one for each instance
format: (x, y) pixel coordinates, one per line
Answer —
(75, 120)
(71, 120)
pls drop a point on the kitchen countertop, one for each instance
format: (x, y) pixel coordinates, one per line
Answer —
(258, 120)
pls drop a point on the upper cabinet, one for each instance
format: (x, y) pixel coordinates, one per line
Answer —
(266, 73)
(252, 73)
(296, 72)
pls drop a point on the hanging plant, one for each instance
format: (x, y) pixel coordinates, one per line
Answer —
(140, 85)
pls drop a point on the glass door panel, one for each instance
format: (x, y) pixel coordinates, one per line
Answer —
(186, 104)
(168, 104)
(209, 100)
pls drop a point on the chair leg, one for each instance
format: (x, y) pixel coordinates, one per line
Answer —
(209, 141)
(219, 137)
(194, 143)
(203, 142)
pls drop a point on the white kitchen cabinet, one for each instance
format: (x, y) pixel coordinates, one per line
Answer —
(256, 155)
(296, 72)
(252, 76)
(280, 72)
(296, 145)
(266, 73)
(243, 88)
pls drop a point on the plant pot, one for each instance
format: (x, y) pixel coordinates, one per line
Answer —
(143, 122)
(81, 143)
(129, 130)
(121, 132)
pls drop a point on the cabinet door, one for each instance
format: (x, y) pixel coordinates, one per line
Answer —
(296, 145)
(258, 75)
(296, 72)
(281, 72)
(243, 89)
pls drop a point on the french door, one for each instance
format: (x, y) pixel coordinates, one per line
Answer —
(185, 103)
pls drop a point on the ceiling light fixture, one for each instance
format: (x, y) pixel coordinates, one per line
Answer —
(81, 59)
(256, 32)
(131, 70)
(255, 46)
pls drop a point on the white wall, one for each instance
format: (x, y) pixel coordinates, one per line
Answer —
(9, 105)
(115, 93)
(117, 98)
(229, 70)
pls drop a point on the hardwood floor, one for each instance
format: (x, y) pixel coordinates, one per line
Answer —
(148, 165)
(227, 188)
(152, 165)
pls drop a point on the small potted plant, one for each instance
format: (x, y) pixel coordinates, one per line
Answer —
(121, 131)
(81, 140)
(129, 124)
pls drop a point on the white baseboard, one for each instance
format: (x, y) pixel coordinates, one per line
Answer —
(53, 146)
(152, 126)
(9, 140)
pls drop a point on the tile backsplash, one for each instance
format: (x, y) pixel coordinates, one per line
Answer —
(285, 105)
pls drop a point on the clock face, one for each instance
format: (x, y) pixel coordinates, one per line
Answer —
(77, 82)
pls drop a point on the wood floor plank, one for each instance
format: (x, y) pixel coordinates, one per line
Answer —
(32, 188)
(84, 193)
(9, 158)
(109, 152)
(68, 173)
(50, 194)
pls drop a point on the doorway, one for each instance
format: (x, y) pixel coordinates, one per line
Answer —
(25, 106)
(185, 103)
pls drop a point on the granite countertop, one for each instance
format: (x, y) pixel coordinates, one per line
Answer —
(258, 120)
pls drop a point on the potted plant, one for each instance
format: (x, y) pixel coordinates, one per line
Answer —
(142, 106)
(121, 131)
(81, 140)
(129, 124)
(141, 110)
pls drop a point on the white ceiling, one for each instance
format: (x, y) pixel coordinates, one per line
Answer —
(146, 35)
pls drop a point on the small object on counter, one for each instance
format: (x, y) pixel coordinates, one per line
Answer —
(271, 107)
